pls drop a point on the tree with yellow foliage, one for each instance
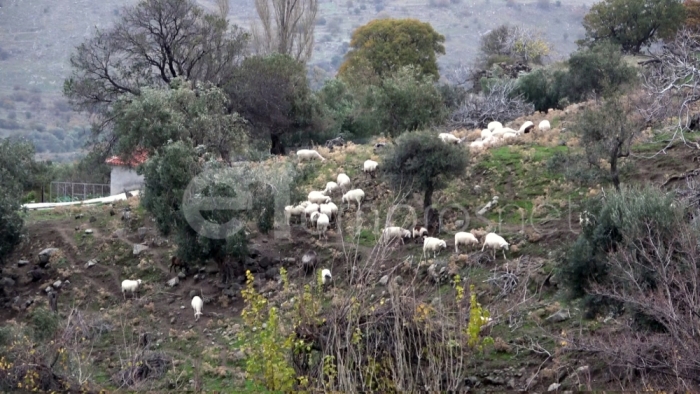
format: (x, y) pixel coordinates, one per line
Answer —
(386, 45)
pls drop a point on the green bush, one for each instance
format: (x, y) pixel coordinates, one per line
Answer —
(44, 324)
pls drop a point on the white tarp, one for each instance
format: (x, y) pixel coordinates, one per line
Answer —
(49, 205)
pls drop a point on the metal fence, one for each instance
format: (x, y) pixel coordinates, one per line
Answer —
(75, 191)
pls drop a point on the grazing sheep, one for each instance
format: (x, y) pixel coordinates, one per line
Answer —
(494, 125)
(544, 125)
(317, 197)
(313, 219)
(495, 241)
(509, 135)
(370, 167)
(526, 127)
(464, 238)
(354, 195)
(131, 286)
(476, 145)
(322, 224)
(447, 137)
(326, 276)
(434, 244)
(504, 130)
(330, 188)
(197, 304)
(309, 154)
(419, 232)
(389, 233)
(311, 208)
(326, 210)
(291, 210)
(309, 261)
(344, 182)
(485, 133)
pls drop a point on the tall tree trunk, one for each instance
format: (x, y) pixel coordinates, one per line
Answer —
(614, 172)
(432, 217)
(276, 148)
(428, 197)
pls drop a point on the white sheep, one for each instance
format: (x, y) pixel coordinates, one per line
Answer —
(544, 125)
(447, 137)
(292, 210)
(498, 132)
(327, 210)
(370, 167)
(309, 154)
(344, 182)
(130, 286)
(419, 232)
(485, 133)
(322, 224)
(326, 276)
(197, 304)
(434, 244)
(330, 188)
(526, 127)
(314, 218)
(354, 195)
(495, 241)
(318, 197)
(494, 125)
(390, 233)
(476, 145)
(504, 130)
(309, 210)
(509, 135)
(464, 238)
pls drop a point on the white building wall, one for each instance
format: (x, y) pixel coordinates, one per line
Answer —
(124, 178)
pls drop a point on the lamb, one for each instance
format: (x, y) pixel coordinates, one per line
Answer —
(197, 304)
(322, 224)
(419, 232)
(447, 137)
(370, 167)
(292, 210)
(317, 197)
(494, 125)
(464, 238)
(330, 188)
(354, 195)
(544, 125)
(309, 154)
(311, 208)
(390, 233)
(326, 276)
(434, 244)
(495, 241)
(131, 286)
(485, 133)
(526, 127)
(344, 182)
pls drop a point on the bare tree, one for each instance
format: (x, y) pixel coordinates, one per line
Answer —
(497, 104)
(286, 27)
(152, 43)
(672, 79)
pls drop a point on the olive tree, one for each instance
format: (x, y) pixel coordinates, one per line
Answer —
(16, 162)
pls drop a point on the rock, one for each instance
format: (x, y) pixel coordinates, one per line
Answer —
(384, 280)
(438, 272)
(398, 280)
(459, 223)
(22, 263)
(271, 273)
(212, 269)
(6, 282)
(48, 289)
(172, 320)
(57, 284)
(559, 316)
(264, 262)
(93, 219)
(192, 293)
(142, 231)
(289, 260)
(472, 381)
(88, 231)
(553, 280)
(582, 369)
(253, 253)
(174, 281)
(90, 263)
(111, 212)
(46, 254)
(494, 380)
(138, 248)
(511, 383)
(554, 387)
(181, 275)
(36, 274)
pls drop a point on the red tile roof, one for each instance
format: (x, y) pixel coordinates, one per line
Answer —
(137, 158)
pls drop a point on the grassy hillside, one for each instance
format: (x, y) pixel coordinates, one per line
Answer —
(537, 213)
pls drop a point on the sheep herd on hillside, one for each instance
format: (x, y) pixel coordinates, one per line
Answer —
(319, 211)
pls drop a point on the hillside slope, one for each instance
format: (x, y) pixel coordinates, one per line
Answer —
(523, 297)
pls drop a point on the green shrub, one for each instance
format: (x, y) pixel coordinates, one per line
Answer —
(44, 324)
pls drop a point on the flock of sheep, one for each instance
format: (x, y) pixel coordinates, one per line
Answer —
(319, 211)
(495, 133)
